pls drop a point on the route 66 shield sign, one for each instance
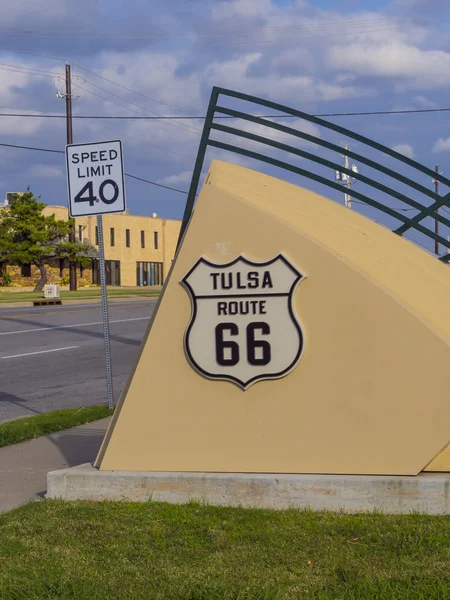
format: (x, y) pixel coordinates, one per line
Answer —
(243, 327)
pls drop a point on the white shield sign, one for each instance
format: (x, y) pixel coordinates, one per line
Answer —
(243, 327)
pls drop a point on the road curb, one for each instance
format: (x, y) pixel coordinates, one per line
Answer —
(29, 304)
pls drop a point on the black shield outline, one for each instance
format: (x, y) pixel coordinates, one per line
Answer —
(244, 385)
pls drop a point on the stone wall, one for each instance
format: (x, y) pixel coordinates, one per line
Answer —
(53, 274)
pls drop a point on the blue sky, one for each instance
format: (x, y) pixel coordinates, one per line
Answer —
(143, 57)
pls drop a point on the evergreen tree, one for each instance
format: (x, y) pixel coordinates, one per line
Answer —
(27, 236)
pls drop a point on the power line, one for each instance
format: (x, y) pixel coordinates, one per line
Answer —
(393, 207)
(32, 148)
(199, 34)
(142, 108)
(166, 186)
(63, 152)
(128, 107)
(27, 72)
(281, 41)
(126, 88)
(129, 135)
(385, 112)
(28, 52)
(157, 184)
(107, 99)
(215, 32)
(32, 69)
(198, 117)
(58, 58)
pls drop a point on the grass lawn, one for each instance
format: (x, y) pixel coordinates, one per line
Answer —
(21, 430)
(155, 551)
(81, 294)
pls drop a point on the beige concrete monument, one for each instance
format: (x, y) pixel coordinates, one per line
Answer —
(293, 336)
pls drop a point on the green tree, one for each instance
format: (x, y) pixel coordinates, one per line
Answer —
(27, 236)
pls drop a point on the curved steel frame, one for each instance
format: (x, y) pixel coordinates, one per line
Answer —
(406, 223)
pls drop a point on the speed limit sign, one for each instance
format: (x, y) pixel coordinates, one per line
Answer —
(95, 178)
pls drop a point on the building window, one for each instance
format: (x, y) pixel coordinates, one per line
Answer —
(142, 239)
(155, 239)
(149, 273)
(25, 270)
(80, 232)
(111, 236)
(112, 272)
(127, 238)
(96, 235)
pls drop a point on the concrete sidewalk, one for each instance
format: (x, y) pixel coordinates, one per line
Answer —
(24, 467)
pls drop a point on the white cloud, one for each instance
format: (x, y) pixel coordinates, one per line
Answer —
(46, 171)
(175, 180)
(30, 9)
(14, 91)
(13, 85)
(288, 51)
(344, 77)
(410, 66)
(236, 74)
(442, 145)
(230, 157)
(404, 149)
(21, 126)
(165, 88)
(267, 132)
(424, 102)
(242, 8)
(29, 13)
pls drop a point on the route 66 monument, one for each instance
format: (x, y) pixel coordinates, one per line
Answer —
(298, 356)
(248, 308)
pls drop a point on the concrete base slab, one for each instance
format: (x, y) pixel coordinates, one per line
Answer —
(428, 493)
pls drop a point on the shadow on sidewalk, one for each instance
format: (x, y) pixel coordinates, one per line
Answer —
(79, 445)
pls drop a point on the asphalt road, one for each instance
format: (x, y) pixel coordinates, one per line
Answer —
(53, 357)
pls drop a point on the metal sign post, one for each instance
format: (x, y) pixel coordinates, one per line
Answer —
(101, 247)
(96, 187)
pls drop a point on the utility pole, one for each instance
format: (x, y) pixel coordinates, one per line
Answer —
(436, 222)
(68, 95)
(347, 197)
(346, 178)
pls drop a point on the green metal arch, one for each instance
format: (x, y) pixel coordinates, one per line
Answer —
(406, 222)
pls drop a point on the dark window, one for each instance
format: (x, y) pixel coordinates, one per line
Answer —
(142, 239)
(127, 237)
(155, 239)
(95, 271)
(80, 232)
(111, 233)
(25, 271)
(149, 273)
(96, 235)
(112, 272)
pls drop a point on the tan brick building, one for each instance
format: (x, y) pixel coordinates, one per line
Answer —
(138, 251)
